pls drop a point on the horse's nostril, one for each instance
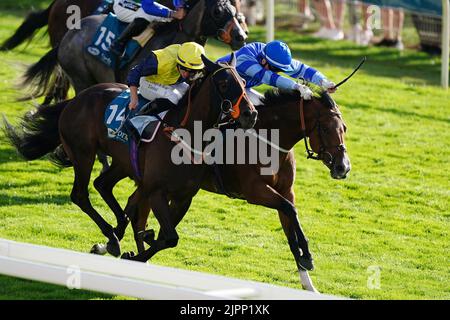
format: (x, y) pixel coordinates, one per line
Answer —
(340, 168)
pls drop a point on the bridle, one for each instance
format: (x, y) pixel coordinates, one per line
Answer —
(233, 110)
(323, 155)
(223, 33)
(226, 105)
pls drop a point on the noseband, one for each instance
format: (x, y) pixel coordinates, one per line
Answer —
(323, 155)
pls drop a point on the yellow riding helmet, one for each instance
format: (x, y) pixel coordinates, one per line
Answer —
(189, 56)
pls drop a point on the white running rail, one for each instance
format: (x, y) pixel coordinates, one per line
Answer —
(133, 279)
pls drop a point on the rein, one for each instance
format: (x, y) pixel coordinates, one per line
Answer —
(169, 130)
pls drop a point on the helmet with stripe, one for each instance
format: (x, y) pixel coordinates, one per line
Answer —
(278, 55)
(190, 56)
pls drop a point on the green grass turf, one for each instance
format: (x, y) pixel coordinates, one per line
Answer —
(392, 211)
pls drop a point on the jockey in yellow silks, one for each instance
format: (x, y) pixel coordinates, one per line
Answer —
(165, 74)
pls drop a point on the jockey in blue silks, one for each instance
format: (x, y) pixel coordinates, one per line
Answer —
(259, 63)
(139, 14)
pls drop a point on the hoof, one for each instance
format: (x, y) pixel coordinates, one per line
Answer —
(99, 249)
(113, 247)
(306, 264)
(127, 255)
(148, 236)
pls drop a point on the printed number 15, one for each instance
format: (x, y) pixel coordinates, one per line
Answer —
(110, 36)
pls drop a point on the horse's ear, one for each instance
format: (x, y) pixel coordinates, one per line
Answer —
(209, 65)
(232, 61)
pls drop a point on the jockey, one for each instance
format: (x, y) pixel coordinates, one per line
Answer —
(140, 13)
(259, 63)
(165, 74)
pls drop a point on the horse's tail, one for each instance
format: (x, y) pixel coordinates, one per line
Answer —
(38, 76)
(34, 21)
(38, 132)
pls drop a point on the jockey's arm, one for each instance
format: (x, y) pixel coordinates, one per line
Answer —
(301, 70)
(148, 67)
(156, 9)
(254, 70)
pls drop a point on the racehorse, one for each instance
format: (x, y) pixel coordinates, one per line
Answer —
(55, 16)
(78, 125)
(318, 120)
(206, 18)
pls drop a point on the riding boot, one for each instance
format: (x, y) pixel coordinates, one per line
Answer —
(134, 29)
(157, 106)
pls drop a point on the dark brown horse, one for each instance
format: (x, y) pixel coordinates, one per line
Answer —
(325, 128)
(205, 18)
(78, 125)
(56, 15)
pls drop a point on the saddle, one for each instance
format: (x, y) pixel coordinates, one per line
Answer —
(134, 127)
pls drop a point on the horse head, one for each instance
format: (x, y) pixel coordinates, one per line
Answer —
(215, 18)
(326, 130)
(318, 121)
(228, 92)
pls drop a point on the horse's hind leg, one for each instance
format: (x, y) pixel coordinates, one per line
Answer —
(104, 185)
(83, 163)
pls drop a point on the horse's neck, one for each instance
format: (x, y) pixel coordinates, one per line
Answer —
(201, 108)
(193, 109)
(279, 118)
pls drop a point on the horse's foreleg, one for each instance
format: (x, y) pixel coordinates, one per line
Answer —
(139, 223)
(104, 185)
(168, 237)
(262, 194)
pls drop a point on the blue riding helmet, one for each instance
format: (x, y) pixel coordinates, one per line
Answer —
(278, 54)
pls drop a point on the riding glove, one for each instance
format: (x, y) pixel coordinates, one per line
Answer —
(305, 91)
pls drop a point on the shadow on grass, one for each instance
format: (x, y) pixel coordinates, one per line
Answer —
(7, 201)
(383, 62)
(19, 289)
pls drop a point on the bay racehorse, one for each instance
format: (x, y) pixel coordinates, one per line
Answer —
(57, 14)
(78, 125)
(318, 120)
(205, 18)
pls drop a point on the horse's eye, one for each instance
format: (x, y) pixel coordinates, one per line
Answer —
(223, 86)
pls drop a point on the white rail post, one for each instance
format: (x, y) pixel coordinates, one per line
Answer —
(445, 42)
(270, 20)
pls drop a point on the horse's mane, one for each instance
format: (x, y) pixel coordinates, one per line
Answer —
(277, 97)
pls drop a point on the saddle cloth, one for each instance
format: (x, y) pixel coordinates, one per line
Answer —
(107, 32)
(117, 112)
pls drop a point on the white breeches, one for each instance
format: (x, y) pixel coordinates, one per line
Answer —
(255, 97)
(152, 91)
(124, 10)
